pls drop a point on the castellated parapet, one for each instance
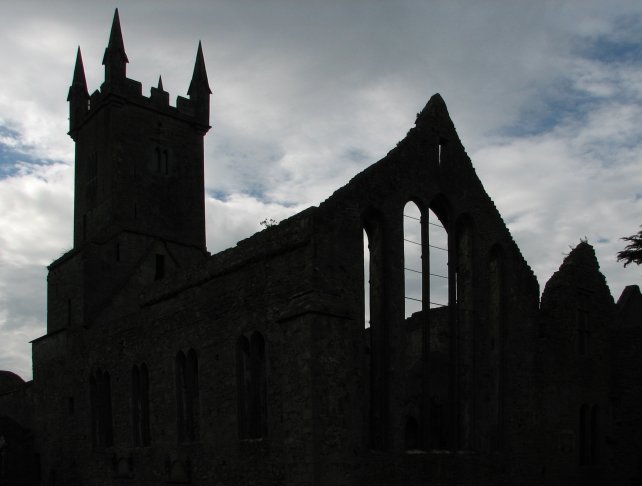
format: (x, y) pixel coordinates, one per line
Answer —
(194, 109)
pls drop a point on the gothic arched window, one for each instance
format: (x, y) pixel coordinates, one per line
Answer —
(252, 386)
(187, 395)
(140, 405)
(100, 403)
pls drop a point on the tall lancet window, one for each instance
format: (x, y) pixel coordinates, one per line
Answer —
(413, 258)
(100, 404)
(376, 366)
(187, 396)
(140, 405)
(438, 244)
(252, 387)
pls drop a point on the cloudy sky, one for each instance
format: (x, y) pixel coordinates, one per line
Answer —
(546, 97)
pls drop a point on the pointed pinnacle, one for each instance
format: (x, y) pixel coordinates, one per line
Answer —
(199, 78)
(79, 72)
(160, 84)
(79, 82)
(116, 45)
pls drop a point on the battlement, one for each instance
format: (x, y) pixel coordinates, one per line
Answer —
(131, 91)
(139, 160)
(118, 88)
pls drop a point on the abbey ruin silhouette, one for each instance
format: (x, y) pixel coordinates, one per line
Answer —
(163, 364)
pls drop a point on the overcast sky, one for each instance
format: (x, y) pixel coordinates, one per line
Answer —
(546, 98)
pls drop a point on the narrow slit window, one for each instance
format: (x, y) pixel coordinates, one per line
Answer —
(160, 267)
(366, 280)
(440, 150)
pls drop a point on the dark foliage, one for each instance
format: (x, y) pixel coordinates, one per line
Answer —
(632, 252)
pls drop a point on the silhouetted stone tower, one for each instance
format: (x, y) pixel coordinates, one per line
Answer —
(139, 161)
(139, 209)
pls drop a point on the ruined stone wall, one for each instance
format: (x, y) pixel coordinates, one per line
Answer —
(105, 275)
(18, 461)
(65, 292)
(626, 390)
(430, 168)
(300, 285)
(55, 405)
(261, 285)
(15, 398)
(577, 319)
(486, 390)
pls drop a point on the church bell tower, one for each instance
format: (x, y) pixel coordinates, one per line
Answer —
(139, 202)
(139, 160)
